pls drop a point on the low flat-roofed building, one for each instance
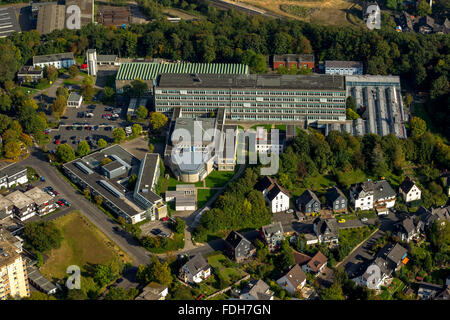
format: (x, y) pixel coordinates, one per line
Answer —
(57, 60)
(107, 59)
(74, 100)
(36, 278)
(24, 207)
(13, 174)
(29, 74)
(45, 203)
(343, 67)
(114, 16)
(8, 21)
(185, 197)
(6, 208)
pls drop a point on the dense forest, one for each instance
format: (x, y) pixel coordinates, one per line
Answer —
(226, 36)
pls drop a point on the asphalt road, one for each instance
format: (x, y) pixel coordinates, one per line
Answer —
(355, 261)
(38, 161)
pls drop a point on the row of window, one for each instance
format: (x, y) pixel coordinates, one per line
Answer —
(263, 93)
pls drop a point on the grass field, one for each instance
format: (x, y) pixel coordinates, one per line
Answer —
(203, 196)
(224, 266)
(83, 243)
(326, 12)
(218, 179)
(396, 286)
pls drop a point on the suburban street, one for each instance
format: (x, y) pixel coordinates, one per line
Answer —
(38, 161)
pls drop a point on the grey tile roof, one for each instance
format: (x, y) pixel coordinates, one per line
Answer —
(307, 196)
(333, 194)
(52, 57)
(234, 238)
(343, 64)
(196, 264)
(407, 185)
(272, 229)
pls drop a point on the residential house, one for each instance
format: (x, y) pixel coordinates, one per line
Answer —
(336, 200)
(44, 202)
(326, 230)
(369, 195)
(389, 259)
(293, 281)
(74, 100)
(153, 291)
(409, 190)
(300, 258)
(428, 217)
(272, 235)
(238, 247)
(276, 196)
(195, 270)
(6, 208)
(24, 207)
(428, 291)
(316, 264)
(406, 229)
(256, 290)
(308, 202)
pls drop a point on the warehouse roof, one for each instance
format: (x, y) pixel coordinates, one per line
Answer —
(342, 64)
(252, 81)
(150, 70)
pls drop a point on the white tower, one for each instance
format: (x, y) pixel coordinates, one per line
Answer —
(91, 57)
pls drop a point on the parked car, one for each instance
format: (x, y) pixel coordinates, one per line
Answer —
(164, 234)
(364, 219)
(60, 203)
(341, 221)
(156, 231)
(165, 219)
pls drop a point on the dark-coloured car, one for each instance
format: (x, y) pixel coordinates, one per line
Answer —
(156, 231)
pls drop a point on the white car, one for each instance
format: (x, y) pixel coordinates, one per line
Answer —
(364, 219)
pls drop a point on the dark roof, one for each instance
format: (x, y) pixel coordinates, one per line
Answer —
(234, 238)
(274, 190)
(296, 276)
(317, 261)
(12, 169)
(307, 196)
(112, 165)
(146, 173)
(407, 185)
(393, 253)
(29, 70)
(327, 226)
(52, 57)
(196, 264)
(264, 183)
(252, 81)
(333, 194)
(379, 189)
(342, 64)
(300, 258)
(407, 225)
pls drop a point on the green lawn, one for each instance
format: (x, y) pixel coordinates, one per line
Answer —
(217, 179)
(172, 244)
(27, 90)
(224, 266)
(369, 214)
(354, 176)
(268, 127)
(83, 243)
(396, 286)
(354, 236)
(203, 195)
(281, 127)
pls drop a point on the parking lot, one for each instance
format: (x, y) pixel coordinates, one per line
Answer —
(87, 123)
(164, 226)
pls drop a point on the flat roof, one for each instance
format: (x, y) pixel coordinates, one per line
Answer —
(113, 165)
(19, 199)
(252, 81)
(193, 125)
(38, 196)
(8, 21)
(52, 57)
(146, 174)
(74, 97)
(106, 57)
(50, 17)
(150, 70)
(343, 64)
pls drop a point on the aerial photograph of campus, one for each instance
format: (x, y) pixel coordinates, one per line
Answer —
(222, 151)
